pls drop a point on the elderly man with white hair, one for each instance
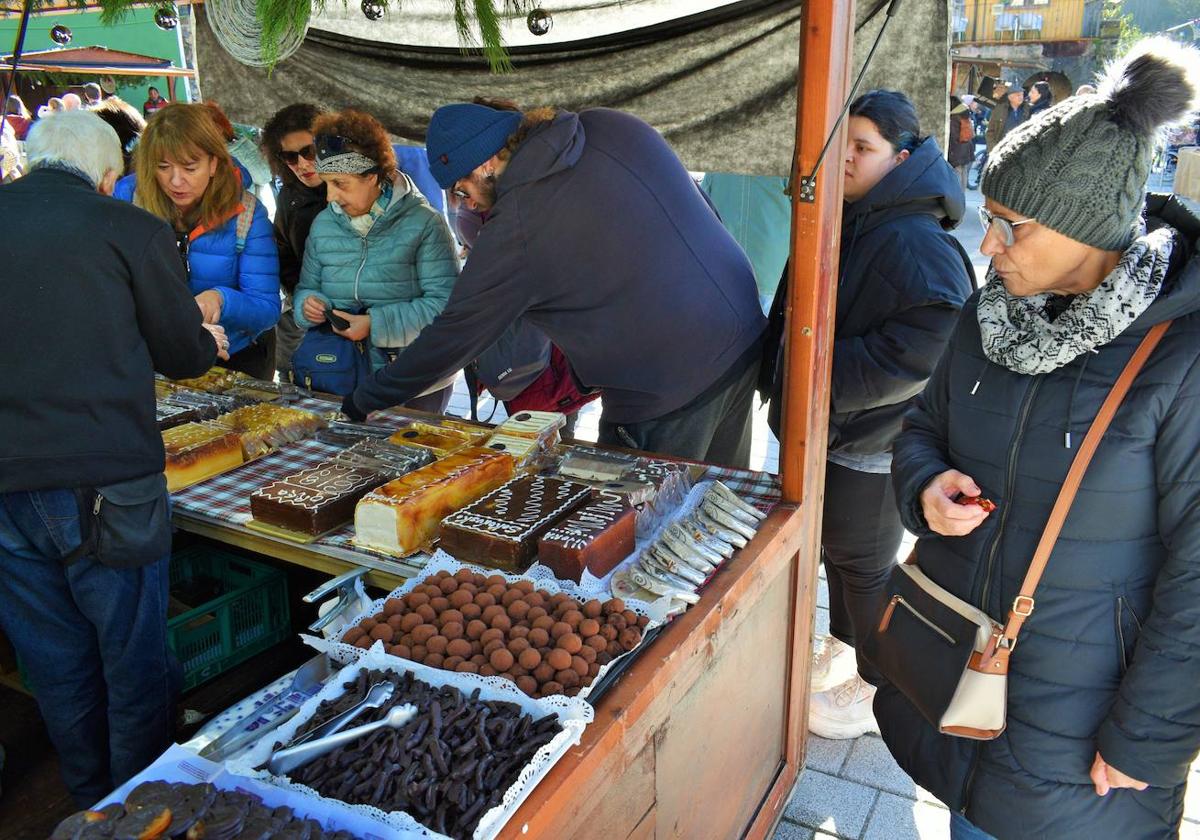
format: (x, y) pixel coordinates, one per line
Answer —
(85, 531)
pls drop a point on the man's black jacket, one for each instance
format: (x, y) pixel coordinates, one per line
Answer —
(94, 301)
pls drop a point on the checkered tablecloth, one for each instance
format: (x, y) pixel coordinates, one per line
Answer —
(226, 498)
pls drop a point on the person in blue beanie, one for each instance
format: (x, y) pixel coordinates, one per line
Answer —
(598, 236)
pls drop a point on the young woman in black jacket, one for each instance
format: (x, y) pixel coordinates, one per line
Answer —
(289, 146)
(902, 281)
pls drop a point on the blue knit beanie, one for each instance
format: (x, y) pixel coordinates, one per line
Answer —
(462, 136)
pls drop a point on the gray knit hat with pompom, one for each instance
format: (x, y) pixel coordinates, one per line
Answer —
(1080, 167)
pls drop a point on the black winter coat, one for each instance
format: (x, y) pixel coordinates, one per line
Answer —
(903, 278)
(88, 325)
(1110, 659)
(296, 208)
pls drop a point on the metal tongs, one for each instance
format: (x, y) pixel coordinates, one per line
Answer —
(286, 760)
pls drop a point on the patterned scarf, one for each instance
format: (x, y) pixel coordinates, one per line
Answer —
(1018, 334)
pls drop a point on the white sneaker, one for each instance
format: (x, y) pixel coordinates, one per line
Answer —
(844, 711)
(833, 663)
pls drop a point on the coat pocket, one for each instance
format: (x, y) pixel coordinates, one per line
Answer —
(1129, 627)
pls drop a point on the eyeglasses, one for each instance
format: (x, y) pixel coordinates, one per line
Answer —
(309, 153)
(461, 195)
(990, 220)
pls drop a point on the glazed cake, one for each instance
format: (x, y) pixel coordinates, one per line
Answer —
(595, 537)
(314, 500)
(216, 380)
(196, 451)
(389, 458)
(264, 426)
(501, 529)
(404, 514)
(437, 439)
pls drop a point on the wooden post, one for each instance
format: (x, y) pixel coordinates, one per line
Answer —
(825, 56)
(823, 83)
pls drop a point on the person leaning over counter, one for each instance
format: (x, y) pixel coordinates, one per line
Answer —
(598, 236)
(85, 531)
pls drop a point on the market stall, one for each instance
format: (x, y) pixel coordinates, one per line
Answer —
(709, 645)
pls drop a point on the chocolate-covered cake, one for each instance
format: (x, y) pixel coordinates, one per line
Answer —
(597, 537)
(314, 500)
(502, 528)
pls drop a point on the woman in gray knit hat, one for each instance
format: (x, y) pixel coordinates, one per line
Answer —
(1103, 716)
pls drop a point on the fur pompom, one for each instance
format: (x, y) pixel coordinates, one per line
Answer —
(1156, 84)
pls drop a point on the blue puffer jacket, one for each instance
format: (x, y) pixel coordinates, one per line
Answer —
(401, 272)
(1110, 659)
(248, 282)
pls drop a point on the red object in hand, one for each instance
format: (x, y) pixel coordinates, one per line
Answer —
(987, 504)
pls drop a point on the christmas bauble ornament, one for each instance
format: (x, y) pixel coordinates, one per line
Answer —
(539, 22)
(60, 35)
(166, 18)
(372, 10)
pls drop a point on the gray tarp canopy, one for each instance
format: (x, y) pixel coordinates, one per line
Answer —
(720, 83)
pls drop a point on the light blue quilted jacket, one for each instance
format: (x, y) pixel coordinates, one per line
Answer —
(401, 272)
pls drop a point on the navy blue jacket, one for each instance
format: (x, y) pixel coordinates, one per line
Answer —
(1110, 659)
(902, 279)
(601, 239)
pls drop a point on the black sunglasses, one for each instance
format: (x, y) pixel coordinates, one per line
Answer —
(309, 152)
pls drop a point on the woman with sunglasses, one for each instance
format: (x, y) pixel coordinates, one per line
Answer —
(288, 146)
(185, 176)
(902, 281)
(1102, 719)
(378, 257)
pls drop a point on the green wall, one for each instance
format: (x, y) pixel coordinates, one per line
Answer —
(135, 33)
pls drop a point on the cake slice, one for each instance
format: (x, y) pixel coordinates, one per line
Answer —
(521, 448)
(595, 537)
(264, 426)
(196, 451)
(314, 500)
(404, 514)
(501, 529)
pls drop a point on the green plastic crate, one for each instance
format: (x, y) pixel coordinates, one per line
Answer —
(248, 617)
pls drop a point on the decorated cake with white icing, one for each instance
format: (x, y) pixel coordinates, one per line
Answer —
(595, 537)
(314, 500)
(501, 529)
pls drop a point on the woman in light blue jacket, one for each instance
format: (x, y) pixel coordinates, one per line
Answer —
(379, 256)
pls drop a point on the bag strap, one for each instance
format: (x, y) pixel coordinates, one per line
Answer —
(245, 220)
(1023, 604)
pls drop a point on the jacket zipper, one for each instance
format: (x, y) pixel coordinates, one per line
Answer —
(1009, 479)
(899, 599)
(361, 265)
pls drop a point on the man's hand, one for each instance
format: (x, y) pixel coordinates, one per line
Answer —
(1106, 777)
(210, 303)
(360, 325)
(314, 310)
(944, 515)
(218, 334)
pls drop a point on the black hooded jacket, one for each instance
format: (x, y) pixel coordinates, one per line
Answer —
(296, 208)
(902, 280)
(1110, 659)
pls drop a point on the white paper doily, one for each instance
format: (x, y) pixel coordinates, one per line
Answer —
(441, 561)
(573, 714)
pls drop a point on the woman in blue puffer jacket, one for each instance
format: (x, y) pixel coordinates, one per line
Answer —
(378, 255)
(185, 176)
